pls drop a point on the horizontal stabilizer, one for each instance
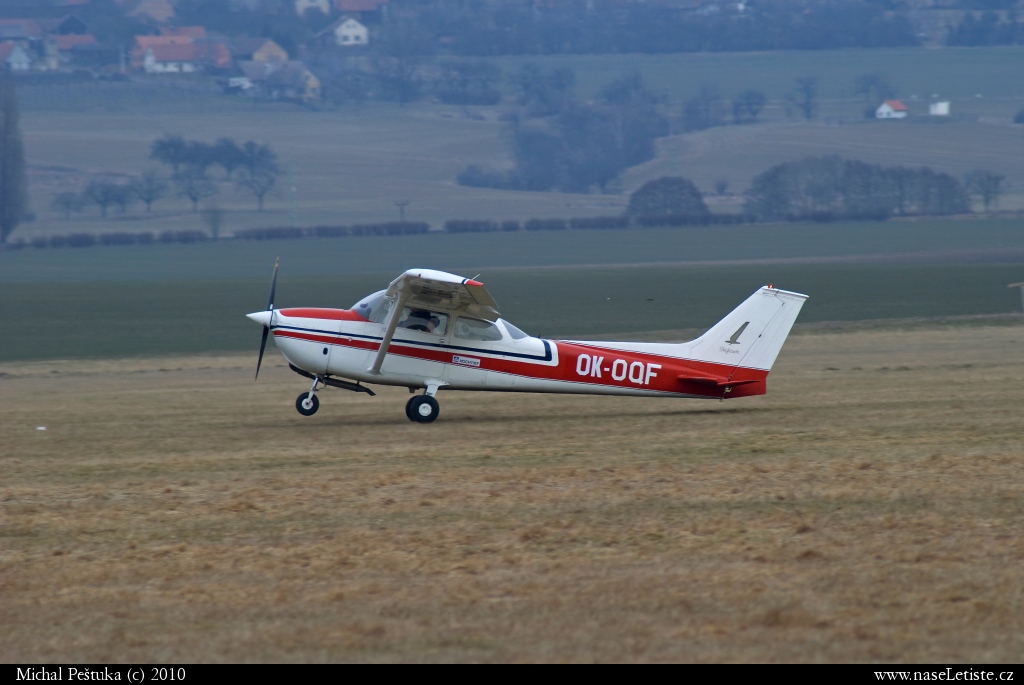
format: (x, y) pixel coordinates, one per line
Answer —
(708, 379)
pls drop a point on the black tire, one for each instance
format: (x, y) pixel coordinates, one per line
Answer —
(314, 404)
(423, 408)
(408, 407)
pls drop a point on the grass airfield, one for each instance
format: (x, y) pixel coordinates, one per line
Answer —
(869, 507)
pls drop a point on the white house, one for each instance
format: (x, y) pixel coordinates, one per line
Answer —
(349, 32)
(171, 59)
(939, 109)
(15, 57)
(891, 109)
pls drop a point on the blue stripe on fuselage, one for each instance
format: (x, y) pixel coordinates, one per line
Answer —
(517, 355)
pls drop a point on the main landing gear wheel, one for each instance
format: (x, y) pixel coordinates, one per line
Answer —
(307, 405)
(422, 409)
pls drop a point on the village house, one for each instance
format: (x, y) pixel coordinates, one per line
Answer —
(144, 43)
(891, 109)
(172, 58)
(303, 6)
(258, 50)
(289, 80)
(62, 50)
(64, 26)
(184, 49)
(939, 109)
(347, 32)
(15, 56)
(20, 31)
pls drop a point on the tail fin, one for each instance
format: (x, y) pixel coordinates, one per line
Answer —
(753, 333)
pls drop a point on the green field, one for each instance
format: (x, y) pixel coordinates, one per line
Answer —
(164, 299)
(950, 73)
(64, 320)
(350, 165)
(948, 240)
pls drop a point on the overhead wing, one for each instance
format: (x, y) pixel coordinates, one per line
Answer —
(430, 289)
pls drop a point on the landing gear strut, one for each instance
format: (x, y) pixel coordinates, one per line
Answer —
(307, 403)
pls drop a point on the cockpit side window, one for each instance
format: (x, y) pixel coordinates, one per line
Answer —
(476, 329)
(424, 321)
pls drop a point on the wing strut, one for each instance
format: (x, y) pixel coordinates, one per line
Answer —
(393, 316)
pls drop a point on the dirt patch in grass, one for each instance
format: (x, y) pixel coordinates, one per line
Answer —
(868, 508)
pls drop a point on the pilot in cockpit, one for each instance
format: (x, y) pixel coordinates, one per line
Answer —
(418, 320)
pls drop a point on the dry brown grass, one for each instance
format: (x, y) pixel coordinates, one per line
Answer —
(869, 508)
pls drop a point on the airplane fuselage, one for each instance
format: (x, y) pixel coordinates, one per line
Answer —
(341, 343)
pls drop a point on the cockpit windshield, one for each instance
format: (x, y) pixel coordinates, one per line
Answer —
(374, 307)
(514, 332)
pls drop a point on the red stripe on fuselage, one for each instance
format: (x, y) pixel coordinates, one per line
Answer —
(617, 368)
(322, 313)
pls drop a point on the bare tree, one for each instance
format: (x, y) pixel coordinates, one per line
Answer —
(873, 87)
(68, 202)
(259, 170)
(195, 185)
(103, 194)
(806, 96)
(748, 105)
(228, 155)
(13, 184)
(987, 185)
(149, 188)
(124, 197)
(259, 181)
(214, 217)
(172, 150)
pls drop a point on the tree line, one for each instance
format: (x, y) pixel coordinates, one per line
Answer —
(612, 27)
(561, 143)
(986, 29)
(812, 189)
(828, 188)
(249, 165)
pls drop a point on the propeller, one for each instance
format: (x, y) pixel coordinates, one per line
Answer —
(270, 319)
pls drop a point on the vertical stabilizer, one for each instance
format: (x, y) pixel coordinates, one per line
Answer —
(752, 334)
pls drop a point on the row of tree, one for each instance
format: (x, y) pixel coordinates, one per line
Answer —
(13, 182)
(986, 29)
(825, 188)
(581, 146)
(250, 166)
(609, 26)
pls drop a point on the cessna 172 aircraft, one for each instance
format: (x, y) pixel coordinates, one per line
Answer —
(434, 330)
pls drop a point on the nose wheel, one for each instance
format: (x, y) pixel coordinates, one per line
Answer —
(307, 404)
(422, 409)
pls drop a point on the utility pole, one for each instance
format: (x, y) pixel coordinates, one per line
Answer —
(1021, 286)
(401, 204)
(294, 191)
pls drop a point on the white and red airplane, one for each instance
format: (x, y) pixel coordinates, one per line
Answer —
(434, 330)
